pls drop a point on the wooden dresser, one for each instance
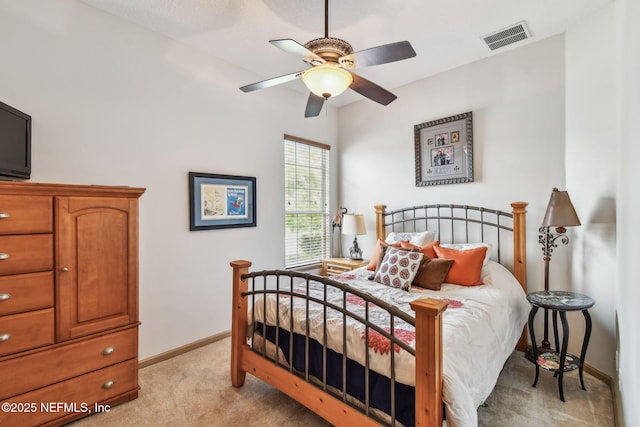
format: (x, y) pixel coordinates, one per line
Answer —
(68, 301)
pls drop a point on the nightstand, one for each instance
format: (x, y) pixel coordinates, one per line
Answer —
(556, 361)
(333, 266)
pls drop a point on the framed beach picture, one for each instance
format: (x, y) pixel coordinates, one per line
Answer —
(221, 201)
(444, 150)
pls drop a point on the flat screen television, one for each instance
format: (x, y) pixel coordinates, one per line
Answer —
(15, 143)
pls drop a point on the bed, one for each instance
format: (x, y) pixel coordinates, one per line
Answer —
(357, 351)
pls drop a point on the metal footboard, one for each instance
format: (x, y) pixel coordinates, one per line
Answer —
(285, 287)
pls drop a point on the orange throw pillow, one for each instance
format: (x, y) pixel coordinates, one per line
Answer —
(467, 265)
(427, 249)
(377, 251)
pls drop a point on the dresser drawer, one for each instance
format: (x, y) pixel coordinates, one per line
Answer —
(17, 375)
(26, 292)
(75, 396)
(23, 331)
(26, 253)
(26, 215)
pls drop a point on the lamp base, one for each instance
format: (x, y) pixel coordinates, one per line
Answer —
(355, 253)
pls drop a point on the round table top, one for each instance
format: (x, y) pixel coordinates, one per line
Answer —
(560, 300)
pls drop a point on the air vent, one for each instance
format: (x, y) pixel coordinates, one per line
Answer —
(507, 36)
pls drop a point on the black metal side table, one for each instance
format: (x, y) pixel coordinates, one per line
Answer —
(551, 360)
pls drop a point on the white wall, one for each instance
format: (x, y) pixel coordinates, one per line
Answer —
(114, 104)
(603, 104)
(628, 197)
(591, 166)
(517, 100)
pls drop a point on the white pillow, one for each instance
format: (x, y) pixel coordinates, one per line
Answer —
(467, 246)
(418, 239)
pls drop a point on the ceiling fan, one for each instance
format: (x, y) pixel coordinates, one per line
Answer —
(332, 61)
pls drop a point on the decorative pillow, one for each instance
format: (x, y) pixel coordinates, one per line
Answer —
(467, 265)
(383, 250)
(427, 249)
(378, 253)
(467, 246)
(418, 239)
(398, 268)
(432, 273)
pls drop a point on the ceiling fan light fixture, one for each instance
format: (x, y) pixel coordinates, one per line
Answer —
(327, 80)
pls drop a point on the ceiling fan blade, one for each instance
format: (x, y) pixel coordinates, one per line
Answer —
(296, 49)
(272, 82)
(371, 90)
(314, 105)
(381, 54)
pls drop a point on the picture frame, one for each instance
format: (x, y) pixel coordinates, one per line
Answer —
(221, 201)
(444, 150)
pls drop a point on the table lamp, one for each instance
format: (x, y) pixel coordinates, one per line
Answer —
(353, 224)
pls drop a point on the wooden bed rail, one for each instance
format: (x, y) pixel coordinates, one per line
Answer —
(428, 379)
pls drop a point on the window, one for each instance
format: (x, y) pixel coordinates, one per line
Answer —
(306, 176)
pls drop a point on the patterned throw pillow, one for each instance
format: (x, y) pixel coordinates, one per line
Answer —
(398, 268)
(378, 253)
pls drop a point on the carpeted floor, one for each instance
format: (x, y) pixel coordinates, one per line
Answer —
(194, 389)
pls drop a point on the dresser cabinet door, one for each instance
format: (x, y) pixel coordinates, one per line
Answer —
(97, 264)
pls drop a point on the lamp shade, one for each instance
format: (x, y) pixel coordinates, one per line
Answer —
(560, 211)
(327, 80)
(353, 224)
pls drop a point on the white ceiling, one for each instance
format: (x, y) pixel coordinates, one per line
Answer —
(444, 33)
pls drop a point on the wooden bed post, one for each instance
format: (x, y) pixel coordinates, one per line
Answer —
(380, 209)
(519, 256)
(238, 321)
(520, 242)
(428, 361)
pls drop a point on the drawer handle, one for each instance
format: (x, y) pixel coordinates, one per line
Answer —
(107, 351)
(108, 384)
(4, 297)
(4, 337)
(64, 269)
(4, 215)
(4, 256)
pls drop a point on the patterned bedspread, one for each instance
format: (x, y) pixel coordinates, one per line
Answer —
(481, 326)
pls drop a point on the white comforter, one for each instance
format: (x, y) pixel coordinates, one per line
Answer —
(480, 329)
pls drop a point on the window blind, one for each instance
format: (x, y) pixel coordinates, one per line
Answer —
(307, 228)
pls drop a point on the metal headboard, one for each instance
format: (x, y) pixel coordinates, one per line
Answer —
(452, 224)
